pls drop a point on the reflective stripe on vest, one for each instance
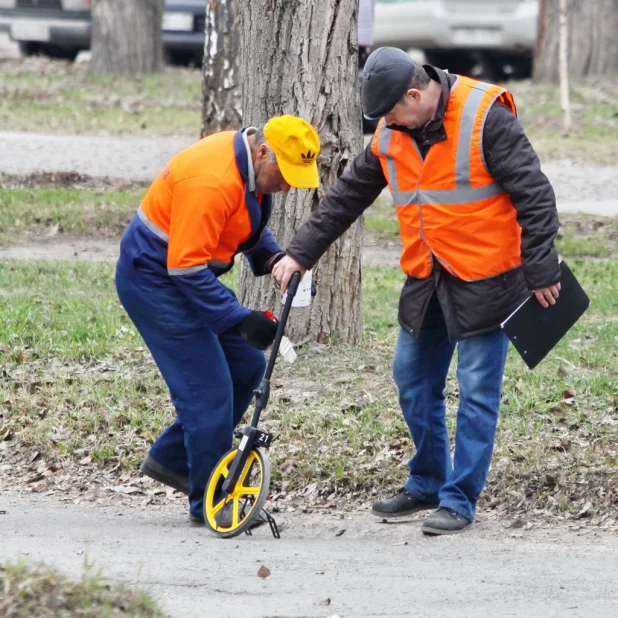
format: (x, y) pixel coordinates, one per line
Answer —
(464, 192)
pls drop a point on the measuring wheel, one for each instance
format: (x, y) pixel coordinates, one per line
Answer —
(238, 486)
(229, 514)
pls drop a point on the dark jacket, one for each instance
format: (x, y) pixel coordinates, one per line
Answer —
(470, 308)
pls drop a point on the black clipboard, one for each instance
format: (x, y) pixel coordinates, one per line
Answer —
(534, 330)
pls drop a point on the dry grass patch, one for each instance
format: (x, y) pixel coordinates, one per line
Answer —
(36, 590)
(81, 401)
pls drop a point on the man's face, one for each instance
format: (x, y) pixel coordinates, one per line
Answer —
(410, 112)
(268, 177)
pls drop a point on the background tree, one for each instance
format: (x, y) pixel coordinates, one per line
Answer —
(593, 45)
(221, 84)
(126, 36)
(301, 58)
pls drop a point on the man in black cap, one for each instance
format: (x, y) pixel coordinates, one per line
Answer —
(478, 220)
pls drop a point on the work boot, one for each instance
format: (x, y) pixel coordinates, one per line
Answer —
(445, 521)
(223, 518)
(400, 505)
(152, 468)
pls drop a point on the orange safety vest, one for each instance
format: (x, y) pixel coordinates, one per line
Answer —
(197, 204)
(449, 206)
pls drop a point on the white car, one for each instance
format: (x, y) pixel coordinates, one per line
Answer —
(498, 35)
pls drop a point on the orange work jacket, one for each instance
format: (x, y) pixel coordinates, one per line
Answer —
(198, 204)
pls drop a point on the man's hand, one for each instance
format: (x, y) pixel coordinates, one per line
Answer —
(283, 271)
(547, 296)
(257, 329)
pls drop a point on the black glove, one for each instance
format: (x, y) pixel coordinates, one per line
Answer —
(257, 330)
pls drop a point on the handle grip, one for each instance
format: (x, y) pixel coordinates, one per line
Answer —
(293, 285)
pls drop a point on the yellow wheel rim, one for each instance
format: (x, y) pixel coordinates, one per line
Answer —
(245, 495)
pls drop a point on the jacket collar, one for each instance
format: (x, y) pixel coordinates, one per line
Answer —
(433, 132)
(258, 214)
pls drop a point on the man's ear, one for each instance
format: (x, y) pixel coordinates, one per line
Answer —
(262, 151)
(414, 94)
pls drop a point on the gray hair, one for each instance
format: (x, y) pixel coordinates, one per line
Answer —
(420, 79)
(259, 140)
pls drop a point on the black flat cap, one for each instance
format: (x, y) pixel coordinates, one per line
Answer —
(386, 76)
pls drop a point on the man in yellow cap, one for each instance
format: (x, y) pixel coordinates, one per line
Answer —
(209, 203)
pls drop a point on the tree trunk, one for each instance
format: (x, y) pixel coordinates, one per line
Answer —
(563, 52)
(593, 47)
(301, 58)
(221, 107)
(126, 36)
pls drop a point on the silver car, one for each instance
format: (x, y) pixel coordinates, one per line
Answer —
(496, 35)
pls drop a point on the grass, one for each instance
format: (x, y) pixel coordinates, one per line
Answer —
(595, 120)
(43, 95)
(61, 210)
(78, 386)
(37, 590)
(51, 210)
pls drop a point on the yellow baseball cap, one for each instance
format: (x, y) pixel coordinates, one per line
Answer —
(296, 145)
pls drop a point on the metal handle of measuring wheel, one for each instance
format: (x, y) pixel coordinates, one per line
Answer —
(293, 284)
(238, 463)
(263, 391)
(292, 289)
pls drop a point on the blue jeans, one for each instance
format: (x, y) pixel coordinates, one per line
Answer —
(420, 369)
(211, 378)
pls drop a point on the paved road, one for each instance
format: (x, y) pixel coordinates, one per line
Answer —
(131, 158)
(370, 570)
(579, 188)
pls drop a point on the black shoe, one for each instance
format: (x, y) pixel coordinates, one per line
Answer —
(400, 505)
(152, 468)
(223, 519)
(445, 521)
(196, 520)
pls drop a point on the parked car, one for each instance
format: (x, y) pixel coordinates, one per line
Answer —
(496, 35)
(62, 28)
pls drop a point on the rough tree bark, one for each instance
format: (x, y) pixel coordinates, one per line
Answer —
(301, 58)
(221, 91)
(126, 36)
(593, 46)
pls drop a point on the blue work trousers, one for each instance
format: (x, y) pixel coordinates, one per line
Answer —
(420, 369)
(211, 378)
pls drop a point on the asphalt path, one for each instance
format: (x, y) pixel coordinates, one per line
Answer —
(325, 565)
(586, 188)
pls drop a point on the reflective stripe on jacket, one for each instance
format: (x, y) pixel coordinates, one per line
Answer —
(449, 206)
(200, 205)
(196, 216)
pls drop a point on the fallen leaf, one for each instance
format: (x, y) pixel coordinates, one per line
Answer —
(585, 510)
(263, 572)
(340, 532)
(324, 602)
